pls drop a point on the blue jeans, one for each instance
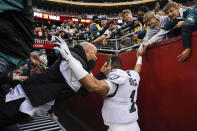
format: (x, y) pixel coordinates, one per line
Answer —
(6, 66)
(10, 128)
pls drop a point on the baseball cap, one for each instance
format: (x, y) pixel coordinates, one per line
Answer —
(103, 18)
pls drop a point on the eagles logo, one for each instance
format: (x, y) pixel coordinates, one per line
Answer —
(190, 19)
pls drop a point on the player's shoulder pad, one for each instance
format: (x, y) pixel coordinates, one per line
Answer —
(117, 76)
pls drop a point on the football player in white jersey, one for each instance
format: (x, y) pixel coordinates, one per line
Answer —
(119, 110)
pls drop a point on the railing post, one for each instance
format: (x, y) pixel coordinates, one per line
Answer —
(73, 42)
(116, 44)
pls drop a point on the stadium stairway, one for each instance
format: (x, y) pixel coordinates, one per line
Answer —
(41, 123)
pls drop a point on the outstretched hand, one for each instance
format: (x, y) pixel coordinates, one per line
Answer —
(19, 78)
(142, 49)
(62, 47)
(184, 55)
(137, 53)
(105, 42)
(179, 24)
(54, 117)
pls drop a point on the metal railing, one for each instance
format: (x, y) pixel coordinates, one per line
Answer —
(41, 123)
(113, 46)
(116, 45)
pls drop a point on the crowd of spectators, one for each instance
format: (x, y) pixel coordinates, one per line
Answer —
(67, 30)
(136, 29)
(70, 31)
(103, 29)
(88, 11)
(146, 27)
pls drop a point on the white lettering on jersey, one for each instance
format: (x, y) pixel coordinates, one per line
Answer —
(117, 76)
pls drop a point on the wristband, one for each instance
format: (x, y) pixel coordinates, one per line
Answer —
(139, 60)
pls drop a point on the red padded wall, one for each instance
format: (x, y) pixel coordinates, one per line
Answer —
(167, 97)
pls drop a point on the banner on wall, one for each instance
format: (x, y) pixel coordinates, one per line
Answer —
(59, 18)
(47, 16)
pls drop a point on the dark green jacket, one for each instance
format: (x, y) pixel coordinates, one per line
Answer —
(172, 23)
(16, 30)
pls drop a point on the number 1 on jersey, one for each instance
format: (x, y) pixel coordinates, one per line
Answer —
(132, 109)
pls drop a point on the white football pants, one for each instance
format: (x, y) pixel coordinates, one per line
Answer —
(124, 127)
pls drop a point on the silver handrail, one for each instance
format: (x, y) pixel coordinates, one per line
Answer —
(113, 45)
(132, 33)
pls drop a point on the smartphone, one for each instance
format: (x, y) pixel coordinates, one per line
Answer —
(108, 59)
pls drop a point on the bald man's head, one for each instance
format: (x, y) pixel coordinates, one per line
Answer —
(87, 45)
(90, 50)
